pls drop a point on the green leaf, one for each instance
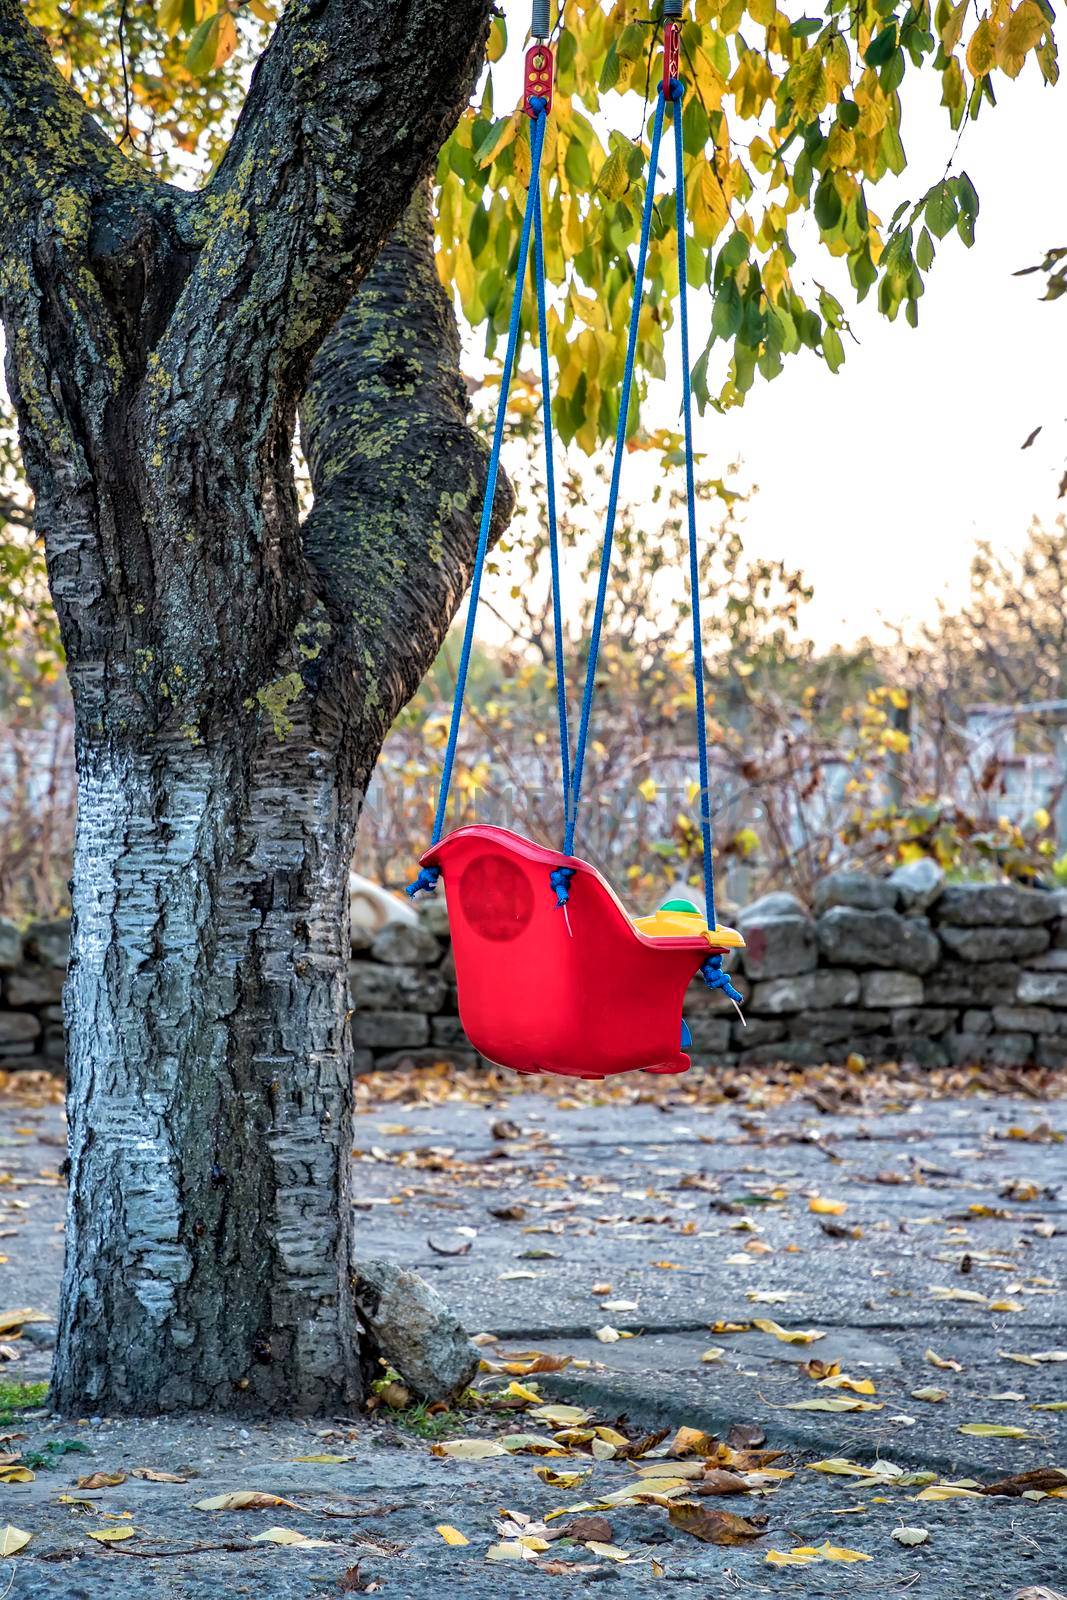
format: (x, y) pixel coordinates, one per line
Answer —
(827, 204)
(924, 251)
(613, 179)
(941, 209)
(203, 46)
(833, 350)
(882, 46)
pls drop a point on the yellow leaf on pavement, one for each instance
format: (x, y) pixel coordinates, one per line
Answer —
(12, 1540)
(839, 1403)
(111, 1535)
(9, 1320)
(451, 1535)
(805, 1555)
(242, 1500)
(992, 1430)
(826, 1208)
(609, 1552)
(468, 1449)
(787, 1335)
(290, 1536)
(325, 1460)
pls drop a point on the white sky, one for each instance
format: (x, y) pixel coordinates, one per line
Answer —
(878, 481)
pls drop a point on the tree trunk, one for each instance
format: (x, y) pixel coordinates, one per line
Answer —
(209, 1079)
(233, 670)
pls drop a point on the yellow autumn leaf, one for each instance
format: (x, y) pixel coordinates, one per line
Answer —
(838, 1552)
(559, 1480)
(9, 1320)
(562, 1416)
(15, 1475)
(823, 1207)
(325, 1460)
(609, 1552)
(992, 1430)
(982, 50)
(242, 1500)
(805, 1555)
(648, 789)
(947, 1491)
(110, 1535)
(290, 1536)
(945, 1363)
(451, 1535)
(840, 1403)
(468, 1449)
(12, 1540)
(787, 1335)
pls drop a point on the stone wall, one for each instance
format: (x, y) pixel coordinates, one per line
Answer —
(902, 968)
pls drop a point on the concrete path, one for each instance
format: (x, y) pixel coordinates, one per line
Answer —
(922, 1239)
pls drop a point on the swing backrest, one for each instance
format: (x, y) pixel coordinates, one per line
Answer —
(576, 990)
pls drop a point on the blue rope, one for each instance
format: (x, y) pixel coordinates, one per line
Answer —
(428, 876)
(616, 469)
(550, 490)
(712, 970)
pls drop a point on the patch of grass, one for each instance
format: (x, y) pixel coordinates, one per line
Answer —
(424, 1424)
(16, 1397)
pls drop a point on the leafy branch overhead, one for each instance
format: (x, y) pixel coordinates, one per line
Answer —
(789, 116)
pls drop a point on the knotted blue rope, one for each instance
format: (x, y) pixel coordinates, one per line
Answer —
(712, 970)
(616, 470)
(560, 879)
(428, 876)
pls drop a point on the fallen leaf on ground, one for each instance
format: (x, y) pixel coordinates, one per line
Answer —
(559, 1480)
(934, 1396)
(516, 1550)
(12, 1540)
(102, 1480)
(836, 1403)
(468, 1449)
(451, 1535)
(944, 1362)
(290, 1536)
(690, 1442)
(242, 1500)
(110, 1535)
(826, 1208)
(948, 1491)
(1051, 1405)
(807, 1555)
(838, 1380)
(719, 1481)
(787, 1335)
(1040, 1593)
(1035, 1358)
(1044, 1478)
(713, 1527)
(608, 1335)
(586, 1529)
(152, 1476)
(324, 1460)
(9, 1320)
(714, 1352)
(15, 1475)
(911, 1535)
(992, 1430)
(609, 1552)
(562, 1416)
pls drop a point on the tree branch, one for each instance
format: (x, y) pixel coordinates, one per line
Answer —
(347, 108)
(48, 138)
(397, 471)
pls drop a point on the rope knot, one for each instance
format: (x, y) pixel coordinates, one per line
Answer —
(715, 978)
(560, 878)
(426, 880)
(677, 90)
(538, 103)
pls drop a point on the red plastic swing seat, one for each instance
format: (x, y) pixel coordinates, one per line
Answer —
(578, 991)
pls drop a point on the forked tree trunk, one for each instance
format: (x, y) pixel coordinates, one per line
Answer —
(233, 671)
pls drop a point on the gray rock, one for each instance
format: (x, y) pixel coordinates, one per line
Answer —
(877, 939)
(992, 1049)
(777, 946)
(433, 913)
(406, 944)
(779, 903)
(805, 991)
(918, 883)
(49, 942)
(390, 1030)
(956, 984)
(710, 1033)
(1051, 1052)
(1029, 1019)
(429, 1056)
(993, 944)
(1042, 988)
(793, 1052)
(892, 989)
(379, 988)
(917, 1022)
(977, 1022)
(861, 890)
(925, 1053)
(1052, 961)
(754, 1031)
(978, 905)
(33, 986)
(703, 1061)
(10, 945)
(413, 1330)
(448, 1031)
(362, 1061)
(55, 1044)
(18, 1028)
(828, 1026)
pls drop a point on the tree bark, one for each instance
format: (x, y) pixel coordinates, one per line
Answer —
(233, 672)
